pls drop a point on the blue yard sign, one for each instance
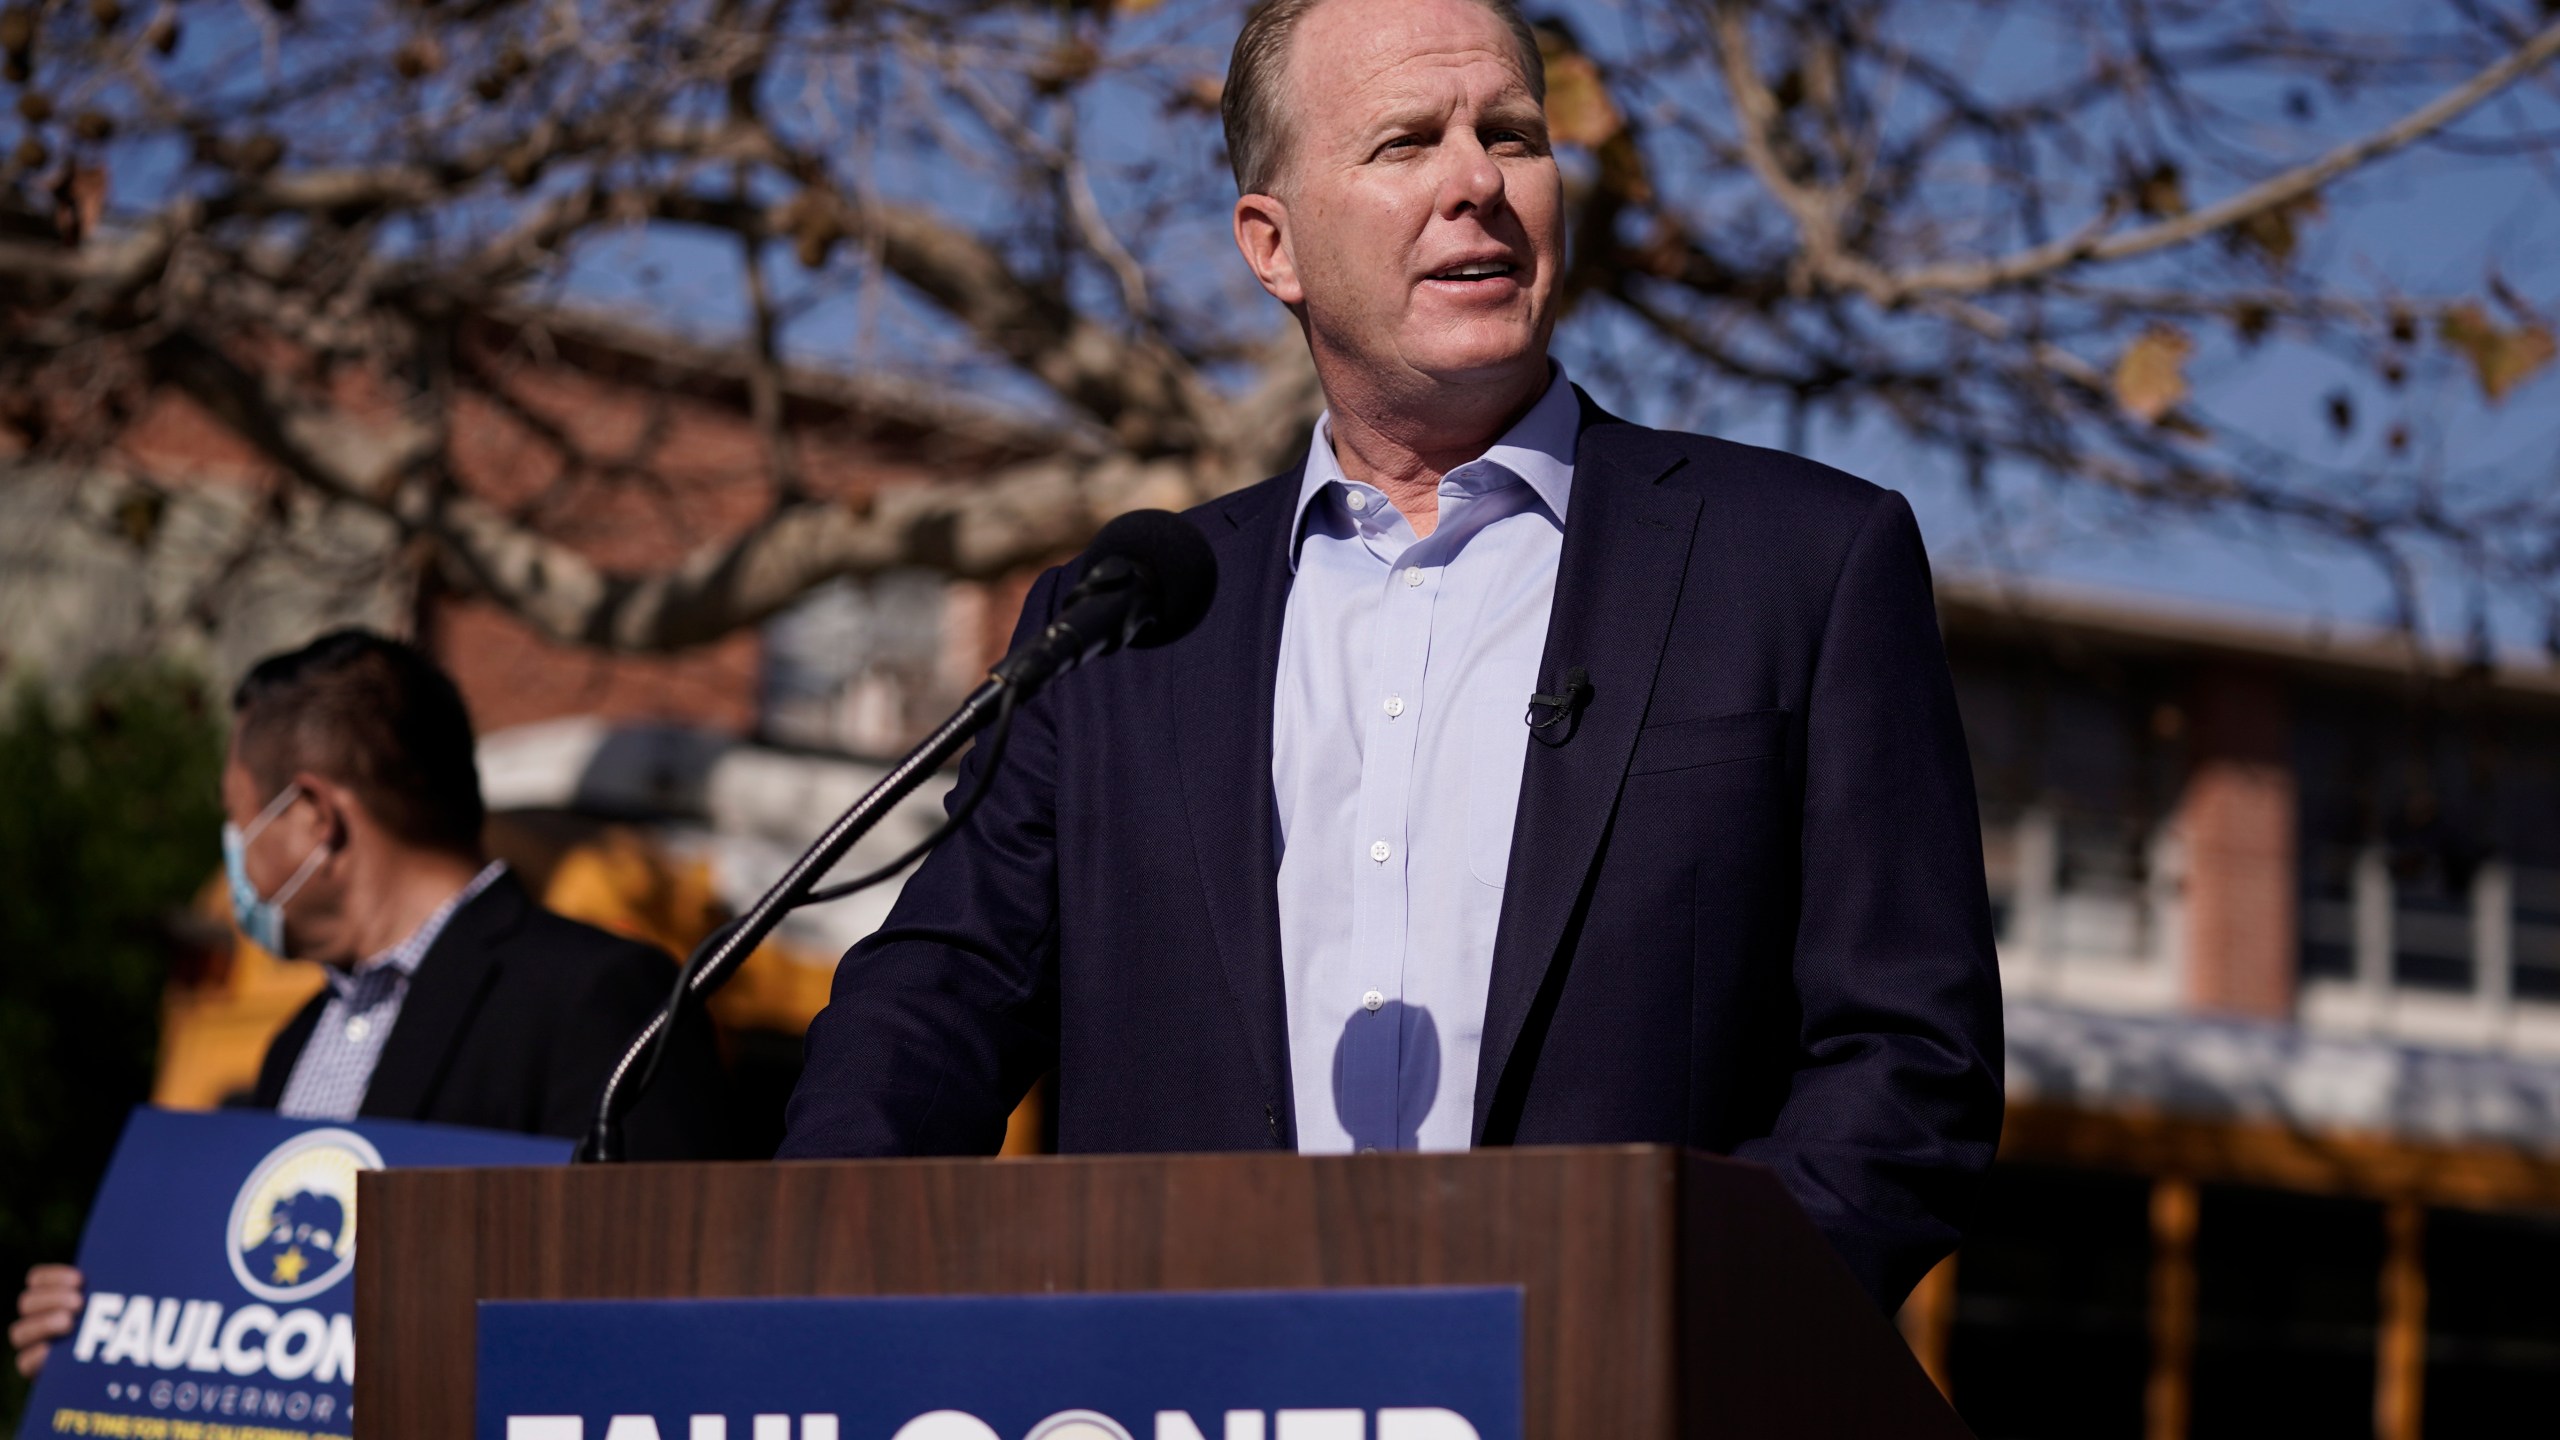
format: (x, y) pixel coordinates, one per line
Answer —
(220, 1258)
(1437, 1364)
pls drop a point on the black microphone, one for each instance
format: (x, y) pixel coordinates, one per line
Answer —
(1149, 577)
(1551, 718)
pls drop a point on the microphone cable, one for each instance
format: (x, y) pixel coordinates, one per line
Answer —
(999, 733)
(1149, 578)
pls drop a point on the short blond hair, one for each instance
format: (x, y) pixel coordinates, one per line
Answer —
(1250, 104)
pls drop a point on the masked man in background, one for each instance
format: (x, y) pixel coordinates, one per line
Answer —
(452, 996)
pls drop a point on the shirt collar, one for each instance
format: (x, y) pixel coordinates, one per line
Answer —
(1538, 448)
(406, 956)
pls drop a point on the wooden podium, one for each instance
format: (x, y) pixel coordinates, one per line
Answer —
(1666, 1294)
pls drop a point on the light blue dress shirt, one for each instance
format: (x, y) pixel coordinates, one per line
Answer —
(1397, 741)
(336, 1066)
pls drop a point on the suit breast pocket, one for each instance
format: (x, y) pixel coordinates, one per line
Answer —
(1709, 740)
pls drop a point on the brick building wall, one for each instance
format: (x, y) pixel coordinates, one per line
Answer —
(606, 453)
(2238, 821)
(635, 451)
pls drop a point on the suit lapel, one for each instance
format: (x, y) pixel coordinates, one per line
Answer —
(443, 996)
(284, 1050)
(1222, 731)
(1626, 551)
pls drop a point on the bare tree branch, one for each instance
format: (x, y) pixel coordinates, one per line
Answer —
(2273, 193)
(1031, 513)
(1817, 210)
(1829, 213)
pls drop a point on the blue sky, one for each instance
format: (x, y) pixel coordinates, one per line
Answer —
(2425, 223)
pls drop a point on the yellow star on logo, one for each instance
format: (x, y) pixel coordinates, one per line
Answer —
(290, 1265)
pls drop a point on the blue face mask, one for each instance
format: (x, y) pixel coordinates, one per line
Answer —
(262, 919)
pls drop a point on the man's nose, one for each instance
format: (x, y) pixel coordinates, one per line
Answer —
(1474, 180)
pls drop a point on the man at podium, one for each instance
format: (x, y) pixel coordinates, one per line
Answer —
(1534, 778)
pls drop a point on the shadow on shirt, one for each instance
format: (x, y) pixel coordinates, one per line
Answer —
(1386, 1075)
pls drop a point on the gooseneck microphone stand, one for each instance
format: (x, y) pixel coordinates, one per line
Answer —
(728, 947)
(1150, 578)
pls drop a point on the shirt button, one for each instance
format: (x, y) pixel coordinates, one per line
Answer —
(1359, 501)
(359, 1027)
(1395, 706)
(1412, 576)
(1379, 850)
(1372, 1000)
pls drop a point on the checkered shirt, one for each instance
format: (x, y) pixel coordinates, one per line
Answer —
(330, 1078)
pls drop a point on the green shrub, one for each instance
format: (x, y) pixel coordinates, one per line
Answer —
(109, 823)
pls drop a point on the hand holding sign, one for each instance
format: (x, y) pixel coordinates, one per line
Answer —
(46, 1310)
(213, 1283)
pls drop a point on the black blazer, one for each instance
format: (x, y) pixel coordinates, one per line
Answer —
(1745, 905)
(512, 1022)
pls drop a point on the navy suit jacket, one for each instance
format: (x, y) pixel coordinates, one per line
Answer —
(512, 1022)
(1745, 908)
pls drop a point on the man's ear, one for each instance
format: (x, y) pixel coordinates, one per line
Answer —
(330, 802)
(1262, 233)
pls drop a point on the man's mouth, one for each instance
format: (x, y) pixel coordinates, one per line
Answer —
(1477, 270)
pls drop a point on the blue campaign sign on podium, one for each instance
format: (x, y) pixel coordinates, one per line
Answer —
(1427, 1364)
(219, 1261)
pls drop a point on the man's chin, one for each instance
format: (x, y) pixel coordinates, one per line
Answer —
(1504, 356)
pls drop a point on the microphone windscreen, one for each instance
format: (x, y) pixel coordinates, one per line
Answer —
(1177, 559)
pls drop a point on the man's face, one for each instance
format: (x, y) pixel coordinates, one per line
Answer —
(1419, 219)
(314, 924)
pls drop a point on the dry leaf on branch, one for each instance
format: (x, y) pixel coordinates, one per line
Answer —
(2151, 375)
(2161, 193)
(1579, 110)
(2275, 233)
(1201, 93)
(814, 228)
(421, 56)
(2501, 358)
(2251, 321)
(1067, 64)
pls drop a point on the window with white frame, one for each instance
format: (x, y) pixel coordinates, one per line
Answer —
(2332, 881)
(2434, 940)
(2429, 901)
(2430, 947)
(2077, 775)
(2535, 942)
(2066, 884)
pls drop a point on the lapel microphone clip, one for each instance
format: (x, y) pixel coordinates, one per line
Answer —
(1551, 717)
